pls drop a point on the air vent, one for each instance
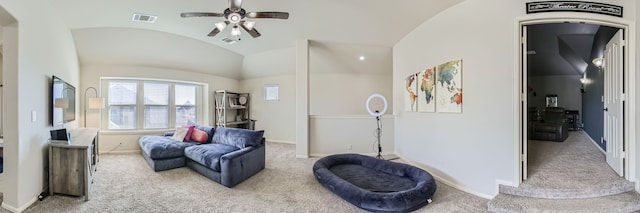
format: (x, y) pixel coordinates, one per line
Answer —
(144, 18)
(531, 52)
(229, 40)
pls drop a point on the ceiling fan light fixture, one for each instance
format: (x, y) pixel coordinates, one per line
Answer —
(249, 24)
(234, 18)
(235, 31)
(221, 25)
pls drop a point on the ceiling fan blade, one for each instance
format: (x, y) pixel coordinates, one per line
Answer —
(253, 32)
(214, 32)
(278, 15)
(219, 27)
(200, 14)
(235, 5)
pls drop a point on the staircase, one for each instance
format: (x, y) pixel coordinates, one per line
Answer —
(571, 176)
(619, 198)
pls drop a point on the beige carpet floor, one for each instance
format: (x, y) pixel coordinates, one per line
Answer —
(125, 183)
(571, 169)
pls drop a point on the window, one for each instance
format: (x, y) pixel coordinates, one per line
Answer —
(156, 105)
(122, 105)
(185, 104)
(152, 104)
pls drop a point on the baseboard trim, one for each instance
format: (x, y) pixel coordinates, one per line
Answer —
(302, 156)
(120, 152)
(319, 155)
(447, 182)
(594, 142)
(22, 208)
(281, 141)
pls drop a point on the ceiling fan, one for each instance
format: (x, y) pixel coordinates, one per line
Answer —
(236, 16)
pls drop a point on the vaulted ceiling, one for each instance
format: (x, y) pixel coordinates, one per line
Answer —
(104, 32)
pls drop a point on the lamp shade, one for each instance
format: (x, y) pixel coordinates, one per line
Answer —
(61, 103)
(96, 103)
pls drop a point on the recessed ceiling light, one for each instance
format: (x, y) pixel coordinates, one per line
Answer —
(361, 58)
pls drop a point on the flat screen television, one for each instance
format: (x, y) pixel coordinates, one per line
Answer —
(63, 101)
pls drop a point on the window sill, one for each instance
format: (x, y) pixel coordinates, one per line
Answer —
(134, 132)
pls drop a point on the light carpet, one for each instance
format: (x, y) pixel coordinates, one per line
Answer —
(125, 183)
(575, 168)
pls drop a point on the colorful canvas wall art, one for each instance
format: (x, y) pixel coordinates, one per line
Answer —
(411, 91)
(449, 87)
(427, 90)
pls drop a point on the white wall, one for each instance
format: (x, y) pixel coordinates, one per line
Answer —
(339, 85)
(45, 47)
(567, 87)
(349, 134)
(474, 149)
(111, 141)
(277, 118)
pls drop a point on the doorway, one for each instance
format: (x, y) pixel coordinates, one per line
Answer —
(626, 87)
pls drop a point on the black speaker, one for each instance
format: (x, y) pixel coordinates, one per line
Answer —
(59, 134)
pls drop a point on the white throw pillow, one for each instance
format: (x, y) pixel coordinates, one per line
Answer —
(180, 133)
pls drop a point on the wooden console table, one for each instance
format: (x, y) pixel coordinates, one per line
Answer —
(73, 163)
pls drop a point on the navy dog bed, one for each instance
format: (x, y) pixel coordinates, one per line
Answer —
(375, 185)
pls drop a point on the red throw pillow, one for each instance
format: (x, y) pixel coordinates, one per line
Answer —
(199, 136)
(187, 137)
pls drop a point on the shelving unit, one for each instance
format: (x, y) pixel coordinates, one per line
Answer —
(232, 109)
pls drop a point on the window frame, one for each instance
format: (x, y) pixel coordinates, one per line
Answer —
(201, 105)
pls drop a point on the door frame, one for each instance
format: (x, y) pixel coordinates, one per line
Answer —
(520, 97)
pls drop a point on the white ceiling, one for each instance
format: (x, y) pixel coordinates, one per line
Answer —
(104, 32)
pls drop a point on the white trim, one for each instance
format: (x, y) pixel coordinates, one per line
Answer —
(22, 208)
(517, 125)
(134, 132)
(153, 79)
(281, 141)
(630, 82)
(350, 116)
(120, 152)
(372, 154)
(302, 156)
(594, 142)
(504, 183)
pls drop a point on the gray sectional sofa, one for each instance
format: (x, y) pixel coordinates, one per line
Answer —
(229, 157)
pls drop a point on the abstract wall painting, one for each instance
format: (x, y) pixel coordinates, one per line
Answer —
(449, 87)
(411, 91)
(427, 90)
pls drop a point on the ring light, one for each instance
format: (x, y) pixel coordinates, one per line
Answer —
(381, 112)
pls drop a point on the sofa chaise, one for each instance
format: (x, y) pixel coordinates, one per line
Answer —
(228, 157)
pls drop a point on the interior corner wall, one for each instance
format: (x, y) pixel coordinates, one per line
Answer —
(475, 148)
(277, 118)
(592, 105)
(339, 85)
(45, 47)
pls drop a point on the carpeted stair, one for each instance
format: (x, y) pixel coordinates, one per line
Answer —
(625, 202)
(571, 176)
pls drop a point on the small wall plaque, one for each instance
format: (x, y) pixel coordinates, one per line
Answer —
(574, 6)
